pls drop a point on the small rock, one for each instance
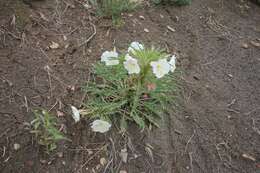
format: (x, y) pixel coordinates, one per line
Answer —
(256, 44)
(161, 16)
(43, 161)
(67, 46)
(123, 154)
(98, 166)
(90, 152)
(230, 75)
(87, 6)
(142, 17)
(60, 154)
(177, 19)
(54, 45)
(103, 161)
(246, 156)
(65, 37)
(245, 46)
(146, 30)
(17, 146)
(136, 156)
(122, 171)
(60, 114)
(63, 162)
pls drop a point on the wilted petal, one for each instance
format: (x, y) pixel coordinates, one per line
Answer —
(100, 126)
(160, 67)
(75, 113)
(131, 65)
(172, 63)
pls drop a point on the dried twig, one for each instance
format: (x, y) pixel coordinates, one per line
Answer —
(11, 34)
(47, 69)
(90, 38)
(191, 161)
(90, 158)
(26, 104)
(189, 141)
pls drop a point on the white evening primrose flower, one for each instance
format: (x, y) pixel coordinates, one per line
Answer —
(75, 113)
(160, 67)
(110, 58)
(131, 65)
(100, 126)
(135, 46)
(172, 63)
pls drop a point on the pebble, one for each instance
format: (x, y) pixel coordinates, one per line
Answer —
(142, 17)
(60, 154)
(103, 161)
(146, 30)
(90, 152)
(17, 146)
(63, 162)
(255, 44)
(54, 45)
(245, 46)
(122, 171)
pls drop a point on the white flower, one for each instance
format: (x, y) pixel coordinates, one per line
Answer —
(172, 63)
(75, 113)
(131, 65)
(100, 126)
(110, 58)
(160, 67)
(135, 46)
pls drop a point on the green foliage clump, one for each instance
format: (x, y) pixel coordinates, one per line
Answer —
(114, 8)
(177, 2)
(113, 94)
(44, 127)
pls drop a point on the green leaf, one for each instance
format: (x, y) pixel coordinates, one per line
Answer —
(139, 121)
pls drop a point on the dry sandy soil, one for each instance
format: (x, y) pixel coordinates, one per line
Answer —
(216, 128)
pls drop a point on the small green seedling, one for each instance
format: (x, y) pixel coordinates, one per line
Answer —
(44, 127)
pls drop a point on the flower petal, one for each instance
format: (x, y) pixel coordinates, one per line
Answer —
(135, 46)
(110, 58)
(100, 126)
(131, 65)
(112, 62)
(160, 67)
(75, 113)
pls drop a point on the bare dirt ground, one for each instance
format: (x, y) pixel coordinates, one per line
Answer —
(216, 128)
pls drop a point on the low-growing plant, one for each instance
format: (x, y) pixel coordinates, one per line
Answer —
(137, 86)
(114, 8)
(44, 127)
(177, 2)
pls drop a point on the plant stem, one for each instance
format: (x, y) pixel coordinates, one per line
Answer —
(136, 97)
